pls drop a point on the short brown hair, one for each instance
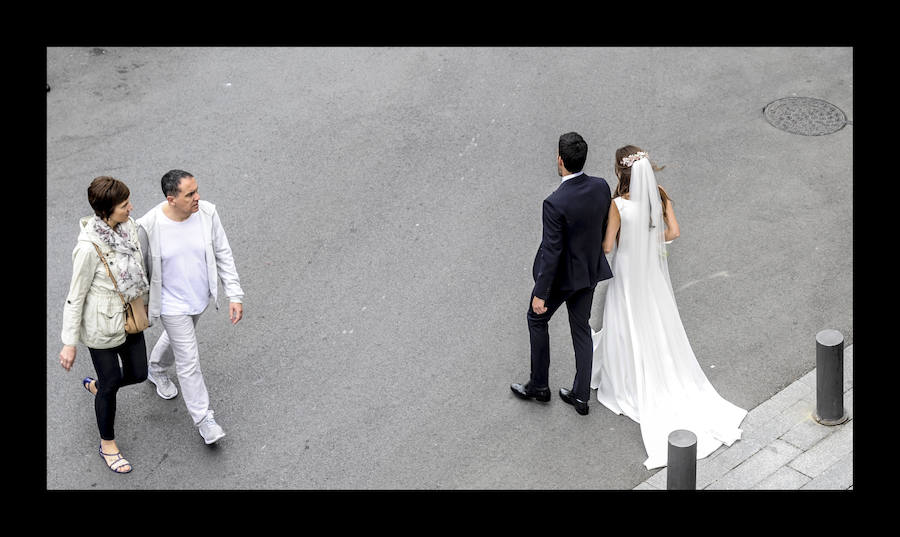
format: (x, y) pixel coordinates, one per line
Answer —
(105, 193)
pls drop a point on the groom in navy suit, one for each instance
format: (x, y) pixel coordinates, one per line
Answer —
(568, 265)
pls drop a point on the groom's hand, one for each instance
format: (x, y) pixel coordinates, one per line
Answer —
(537, 304)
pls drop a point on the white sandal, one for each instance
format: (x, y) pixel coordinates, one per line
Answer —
(118, 463)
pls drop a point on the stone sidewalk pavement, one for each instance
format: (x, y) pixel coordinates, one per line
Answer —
(782, 446)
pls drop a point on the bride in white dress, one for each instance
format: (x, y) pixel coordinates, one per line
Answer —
(643, 365)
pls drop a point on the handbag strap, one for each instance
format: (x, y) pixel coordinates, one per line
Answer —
(103, 258)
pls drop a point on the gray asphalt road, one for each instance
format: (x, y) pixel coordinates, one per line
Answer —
(383, 205)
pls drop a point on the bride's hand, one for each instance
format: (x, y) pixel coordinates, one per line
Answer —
(67, 357)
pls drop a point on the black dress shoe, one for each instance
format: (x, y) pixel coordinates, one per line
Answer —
(580, 406)
(527, 392)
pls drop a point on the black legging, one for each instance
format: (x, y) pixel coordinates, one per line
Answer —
(110, 377)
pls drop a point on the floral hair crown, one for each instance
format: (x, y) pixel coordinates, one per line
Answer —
(631, 159)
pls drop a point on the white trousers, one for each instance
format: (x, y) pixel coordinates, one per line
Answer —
(178, 345)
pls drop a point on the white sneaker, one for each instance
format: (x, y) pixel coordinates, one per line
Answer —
(210, 430)
(164, 387)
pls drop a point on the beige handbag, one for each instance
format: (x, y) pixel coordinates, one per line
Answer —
(135, 317)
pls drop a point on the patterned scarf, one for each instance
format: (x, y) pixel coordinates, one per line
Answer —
(126, 267)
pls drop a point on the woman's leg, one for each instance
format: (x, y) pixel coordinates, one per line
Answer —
(106, 387)
(109, 378)
(134, 359)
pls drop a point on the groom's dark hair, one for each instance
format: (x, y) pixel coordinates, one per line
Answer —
(573, 151)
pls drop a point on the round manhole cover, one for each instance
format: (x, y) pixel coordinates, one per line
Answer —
(805, 115)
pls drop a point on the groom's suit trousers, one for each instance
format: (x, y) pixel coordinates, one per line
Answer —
(578, 303)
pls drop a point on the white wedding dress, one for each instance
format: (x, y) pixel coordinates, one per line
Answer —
(643, 364)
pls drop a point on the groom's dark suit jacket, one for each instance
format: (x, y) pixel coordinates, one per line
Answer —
(571, 253)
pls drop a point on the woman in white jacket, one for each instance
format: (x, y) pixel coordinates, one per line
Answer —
(94, 314)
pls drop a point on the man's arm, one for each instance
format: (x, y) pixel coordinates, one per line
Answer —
(227, 271)
(551, 250)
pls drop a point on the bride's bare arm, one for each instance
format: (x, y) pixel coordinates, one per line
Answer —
(612, 228)
(672, 231)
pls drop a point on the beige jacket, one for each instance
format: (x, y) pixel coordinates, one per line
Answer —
(93, 314)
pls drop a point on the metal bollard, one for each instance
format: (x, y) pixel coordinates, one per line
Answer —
(830, 378)
(681, 473)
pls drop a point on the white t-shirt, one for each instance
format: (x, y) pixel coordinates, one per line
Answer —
(185, 283)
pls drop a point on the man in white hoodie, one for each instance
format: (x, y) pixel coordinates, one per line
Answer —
(186, 252)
